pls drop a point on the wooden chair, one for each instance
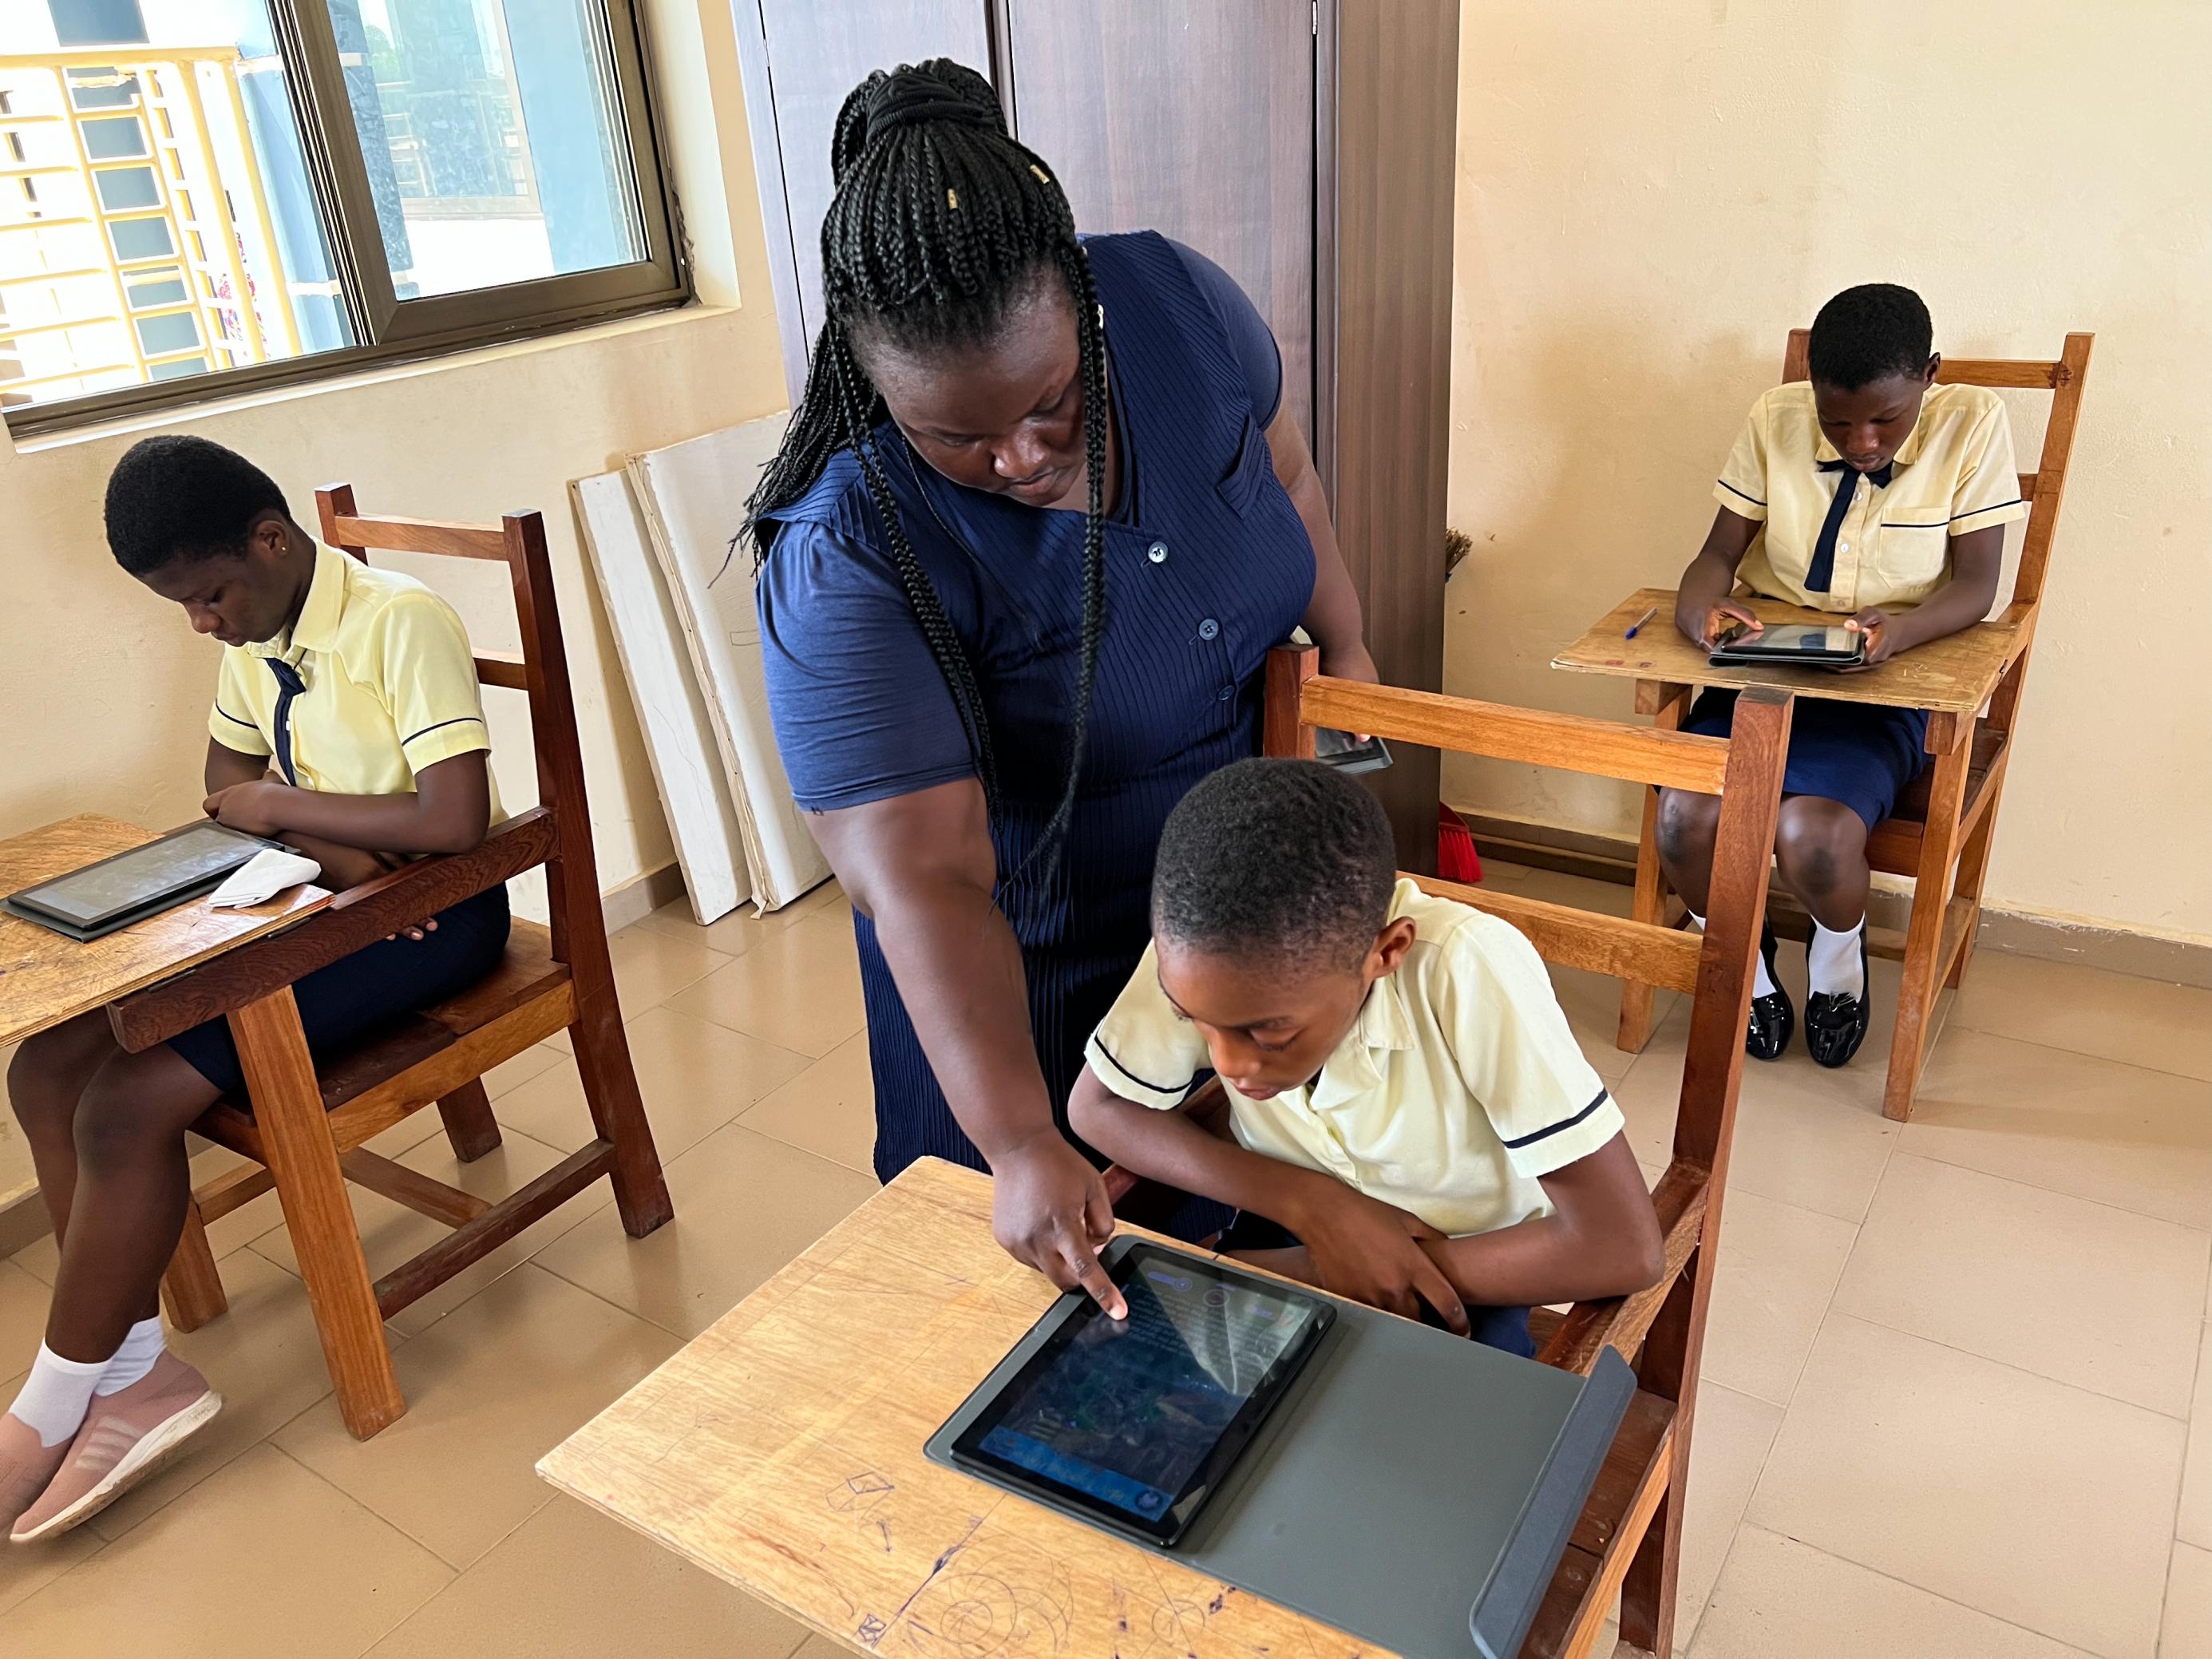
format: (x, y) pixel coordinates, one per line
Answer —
(1629, 1537)
(1945, 820)
(304, 1132)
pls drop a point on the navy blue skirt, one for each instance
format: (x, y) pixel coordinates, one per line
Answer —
(1859, 753)
(356, 994)
(1494, 1328)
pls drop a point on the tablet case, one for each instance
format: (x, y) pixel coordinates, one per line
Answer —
(1414, 1488)
(166, 899)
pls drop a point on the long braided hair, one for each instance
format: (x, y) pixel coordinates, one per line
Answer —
(940, 225)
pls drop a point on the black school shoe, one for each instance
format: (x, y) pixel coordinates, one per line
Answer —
(1835, 1024)
(1772, 1018)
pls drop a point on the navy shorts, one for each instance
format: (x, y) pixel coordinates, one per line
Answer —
(1859, 753)
(1494, 1328)
(374, 985)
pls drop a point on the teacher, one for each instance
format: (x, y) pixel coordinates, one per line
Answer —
(1032, 530)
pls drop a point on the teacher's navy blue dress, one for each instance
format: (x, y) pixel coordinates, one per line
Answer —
(1208, 565)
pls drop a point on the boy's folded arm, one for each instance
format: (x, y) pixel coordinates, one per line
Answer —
(1167, 1147)
(449, 811)
(1602, 1240)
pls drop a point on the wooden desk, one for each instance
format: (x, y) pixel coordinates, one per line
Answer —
(782, 1451)
(1953, 676)
(45, 978)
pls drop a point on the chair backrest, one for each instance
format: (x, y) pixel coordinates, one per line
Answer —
(540, 671)
(2042, 489)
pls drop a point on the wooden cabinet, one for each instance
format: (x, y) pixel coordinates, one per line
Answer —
(1306, 145)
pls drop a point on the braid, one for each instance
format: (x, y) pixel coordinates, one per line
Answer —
(941, 223)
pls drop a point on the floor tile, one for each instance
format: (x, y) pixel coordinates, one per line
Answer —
(1591, 1003)
(694, 1076)
(24, 1298)
(2096, 1128)
(24, 1573)
(651, 965)
(2194, 1525)
(2141, 1022)
(801, 989)
(2104, 1299)
(511, 1074)
(2035, 1503)
(38, 1258)
(1804, 1134)
(744, 1206)
(391, 1235)
(570, 1583)
(1778, 1266)
(264, 1358)
(264, 1559)
(1727, 1450)
(733, 935)
(1778, 1599)
(2186, 1633)
(829, 1108)
(489, 1388)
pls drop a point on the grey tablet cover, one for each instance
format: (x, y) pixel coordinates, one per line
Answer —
(1414, 1488)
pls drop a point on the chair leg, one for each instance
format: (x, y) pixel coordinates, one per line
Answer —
(618, 1113)
(469, 1125)
(1650, 904)
(191, 1288)
(295, 1135)
(1973, 869)
(1924, 938)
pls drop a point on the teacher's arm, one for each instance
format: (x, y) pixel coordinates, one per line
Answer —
(921, 867)
(1333, 620)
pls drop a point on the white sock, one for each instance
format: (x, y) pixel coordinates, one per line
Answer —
(1762, 982)
(141, 1347)
(1832, 960)
(56, 1395)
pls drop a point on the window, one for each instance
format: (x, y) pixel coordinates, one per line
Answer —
(212, 197)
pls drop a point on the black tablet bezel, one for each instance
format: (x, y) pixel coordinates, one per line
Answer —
(1372, 755)
(146, 903)
(967, 1450)
(1739, 648)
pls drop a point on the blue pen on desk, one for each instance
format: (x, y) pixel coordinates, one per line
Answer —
(1634, 627)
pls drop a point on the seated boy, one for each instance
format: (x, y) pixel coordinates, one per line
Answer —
(1413, 1122)
(1874, 493)
(361, 684)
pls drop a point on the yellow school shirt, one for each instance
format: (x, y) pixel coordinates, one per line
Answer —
(1458, 1086)
(1953, 474)
(389, 684)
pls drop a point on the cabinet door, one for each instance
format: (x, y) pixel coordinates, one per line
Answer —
(806, 56)
(1195, 120)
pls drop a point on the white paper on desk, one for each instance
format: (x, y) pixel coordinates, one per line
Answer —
(264, 876)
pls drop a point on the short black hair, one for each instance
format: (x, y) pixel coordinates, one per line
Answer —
(1288, 858)
(1867, 332)
(177, 497)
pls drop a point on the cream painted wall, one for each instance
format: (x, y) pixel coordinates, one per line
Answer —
(1650, 196)
(105, 689)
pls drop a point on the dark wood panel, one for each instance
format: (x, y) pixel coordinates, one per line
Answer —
(1395, 92)
(1196, 121)
(810, 56)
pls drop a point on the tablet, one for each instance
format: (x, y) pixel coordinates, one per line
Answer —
(1786, 643)
(1133, 1424)
(142, 882)
(1349, 754)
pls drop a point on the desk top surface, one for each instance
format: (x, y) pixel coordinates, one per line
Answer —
(47, 978)
(1954, 675)
(782, 1451)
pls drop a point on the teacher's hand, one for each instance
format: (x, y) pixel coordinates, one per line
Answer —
(1050, 1210)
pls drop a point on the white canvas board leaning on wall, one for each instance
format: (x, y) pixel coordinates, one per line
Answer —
(679, 735)
(693, 497)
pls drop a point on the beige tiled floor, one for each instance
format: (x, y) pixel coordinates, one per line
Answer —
(1957, 1394)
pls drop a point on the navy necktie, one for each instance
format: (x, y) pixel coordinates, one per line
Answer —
(289, 686)
(1822, 572)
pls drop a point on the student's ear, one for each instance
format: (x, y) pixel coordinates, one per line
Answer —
(1935, 363)
(269, 537)
(1390, 947)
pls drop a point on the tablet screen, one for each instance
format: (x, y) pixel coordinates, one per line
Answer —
(1794, 639)
(1139, 1419)
(198, 853)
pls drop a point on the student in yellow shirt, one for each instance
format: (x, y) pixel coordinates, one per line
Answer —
(347, 724)
(1414, 1125)
(1875, 494)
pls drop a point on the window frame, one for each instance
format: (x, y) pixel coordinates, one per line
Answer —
(389, 330)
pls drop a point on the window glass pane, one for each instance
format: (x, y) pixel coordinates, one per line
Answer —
(231, 200)
(494, 140)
